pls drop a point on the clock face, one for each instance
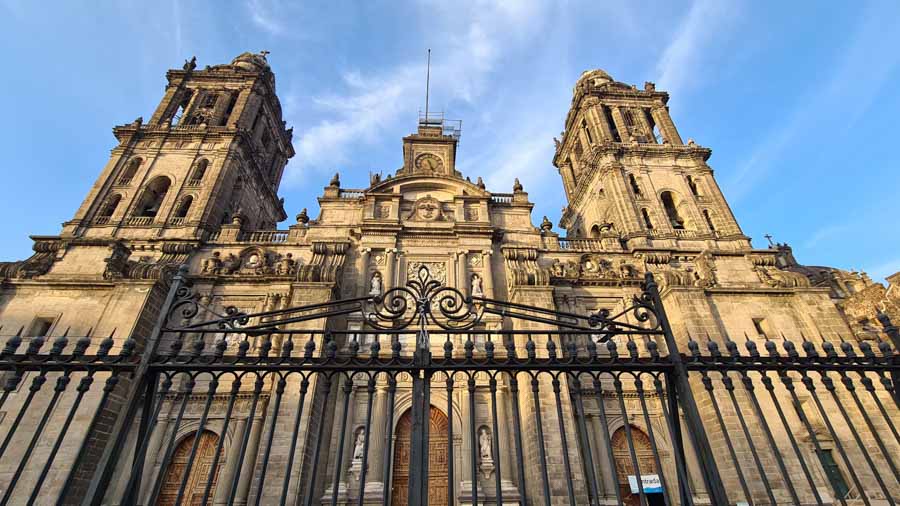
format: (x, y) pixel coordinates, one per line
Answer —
(428, 163)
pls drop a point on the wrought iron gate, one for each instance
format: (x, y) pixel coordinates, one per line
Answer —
(299, 406)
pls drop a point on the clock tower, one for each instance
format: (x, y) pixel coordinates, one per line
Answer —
(432, 149)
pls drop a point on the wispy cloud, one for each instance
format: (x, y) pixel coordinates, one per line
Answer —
(263, 13)
(679, 65)
(825, 234)
(860, 71)
(371, 103)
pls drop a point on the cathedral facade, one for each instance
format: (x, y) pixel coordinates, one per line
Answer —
(197, 185)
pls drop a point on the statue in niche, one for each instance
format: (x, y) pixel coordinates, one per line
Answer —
(376, 284)
(477, 286)
(359, 446)
(484, 445)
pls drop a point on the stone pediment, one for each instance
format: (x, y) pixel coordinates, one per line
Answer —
(418, 184)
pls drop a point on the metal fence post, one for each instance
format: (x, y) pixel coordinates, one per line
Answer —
(134, 399)
(685, 396)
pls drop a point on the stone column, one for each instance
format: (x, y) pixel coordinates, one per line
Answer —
(488, 273)
(461, 282)
(229, 474)
(619, 119)
(378, 439)
(389, 268)
(596, 114)
(645, 125)
(247, 468)
(363, 266)
(399, 275)
(666, 126)
(503, 432)
(465, 474)
(607, 477)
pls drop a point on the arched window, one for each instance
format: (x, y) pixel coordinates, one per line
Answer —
(634, 185)
(709, 221)
(152, 198)
(671, 207)
(108, 208)
(130, 171)
(199, 171)
(595, 232)
(647, 221)
(185, 206)
(182, 107)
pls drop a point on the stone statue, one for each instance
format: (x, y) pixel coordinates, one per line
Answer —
(484, 444)
(517, 186)
(191, 64)
(359, 446)
(213, 264)
(480, 183)
(286, 265)
(705, 270)
(231, 264)
(557, 143)
(335, 181)
(376, 284)
(477, 286)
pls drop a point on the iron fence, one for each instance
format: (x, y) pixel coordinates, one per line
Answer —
(422, 395)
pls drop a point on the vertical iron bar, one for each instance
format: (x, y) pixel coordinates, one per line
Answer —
(767, 382)
(451, 485)
(248, 428)
(211, 392)
(707, 383)
(83, 387)
(565, 444)
(304, 385)
(61, 383)
(517, 429)
(584, 439)
(617, 384)
(132, 488)
(729, 387)
(214, 467)
(35, 387)
(339, 460)
(535, 391)
(495, 440)
(789, 385)
(829, 385)
(870, 387)
(144, 430)
(365, 458)
(674, 426)
(389, 439)
(604, 427)
(848, 384)
(170, 447)
(310, 493)
(473, 438)
(811, 388)
(279, 392)
(426, 427)
(639, 388)
(695, 427)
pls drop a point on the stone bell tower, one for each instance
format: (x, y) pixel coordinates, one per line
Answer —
(212, 153)
(628, 175)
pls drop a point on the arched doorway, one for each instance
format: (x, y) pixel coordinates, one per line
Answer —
(196, 483)
(624, 467)
(438, 465)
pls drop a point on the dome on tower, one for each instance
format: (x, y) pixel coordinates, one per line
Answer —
(254, 62)
(594, 77)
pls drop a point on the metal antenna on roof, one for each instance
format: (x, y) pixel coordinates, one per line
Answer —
(427, 83)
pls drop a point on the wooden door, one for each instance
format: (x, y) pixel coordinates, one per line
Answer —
(621, 451)
(438, 465)
(196, 483)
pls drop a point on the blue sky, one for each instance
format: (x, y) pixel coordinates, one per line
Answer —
(797, 100)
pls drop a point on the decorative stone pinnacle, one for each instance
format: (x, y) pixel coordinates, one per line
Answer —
(303, 217)
(546, 224)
